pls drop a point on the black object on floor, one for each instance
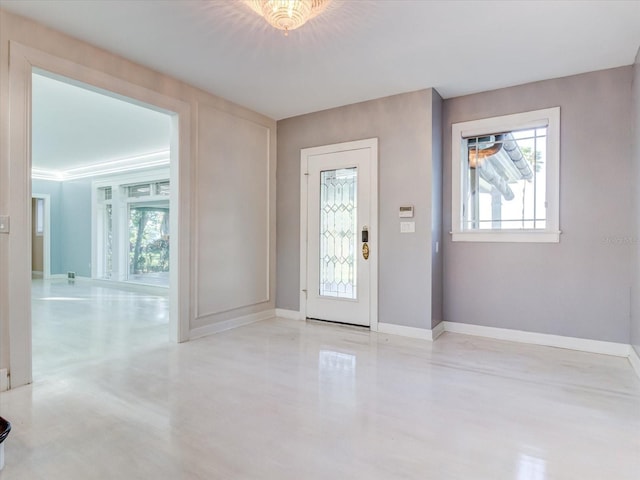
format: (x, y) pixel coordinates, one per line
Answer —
(5, 428)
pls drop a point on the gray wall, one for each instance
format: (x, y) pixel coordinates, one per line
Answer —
(635, 239)
(70, 225)
(402, 124)
(579, 287)
(76, 231)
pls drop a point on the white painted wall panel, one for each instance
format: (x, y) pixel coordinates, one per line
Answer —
(248, 223)
(232, 212)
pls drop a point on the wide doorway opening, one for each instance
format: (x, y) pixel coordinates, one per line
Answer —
(101, 165)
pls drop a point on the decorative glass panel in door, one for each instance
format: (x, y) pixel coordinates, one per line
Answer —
(338, 233)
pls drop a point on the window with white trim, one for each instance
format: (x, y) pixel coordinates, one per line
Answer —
(131, 228)
(505, 178)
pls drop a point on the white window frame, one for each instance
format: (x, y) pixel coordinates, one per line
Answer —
(548, 117)
(120, 211)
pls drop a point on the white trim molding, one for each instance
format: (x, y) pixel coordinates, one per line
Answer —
(411, 332)
(437, 330)
(570, 343)
(289, 314)
(230, 324)
(634, 360)
(110, 167)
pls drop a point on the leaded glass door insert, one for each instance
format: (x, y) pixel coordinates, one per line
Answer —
(338, 233)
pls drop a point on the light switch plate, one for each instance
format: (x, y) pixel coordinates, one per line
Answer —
(4, 223)
(407, 227)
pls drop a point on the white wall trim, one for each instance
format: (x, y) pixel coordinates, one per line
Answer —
(110, 167)
(290, 314)
(411, 332)
(230, 324)
(634, 360)
(571, 343)
(437, 330)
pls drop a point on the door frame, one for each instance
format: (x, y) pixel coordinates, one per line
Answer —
(305, 153)
(22, 62)
(46, 234)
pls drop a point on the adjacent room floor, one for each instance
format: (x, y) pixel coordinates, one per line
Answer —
(76, 323)
(284, 399)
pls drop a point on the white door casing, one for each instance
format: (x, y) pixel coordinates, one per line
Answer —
(23, 60)
(334, 165)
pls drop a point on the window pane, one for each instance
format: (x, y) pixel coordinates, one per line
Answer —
(136, 191)
(162, 188)
(108, 241)
(506, 181)
(149, 243)
(338, 216)
(104, 194)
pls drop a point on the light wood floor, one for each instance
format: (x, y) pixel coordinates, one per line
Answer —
(283, 399)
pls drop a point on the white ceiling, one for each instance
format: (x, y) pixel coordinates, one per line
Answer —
(73, 127)
(357, 49)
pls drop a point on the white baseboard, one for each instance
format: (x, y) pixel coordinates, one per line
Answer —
(58, 276)
(571, 343)
(230, 324)
(411, 332)
(634, 359)
(290, 314)
(437, 330)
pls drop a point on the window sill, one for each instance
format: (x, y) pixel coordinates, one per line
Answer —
(508, 236)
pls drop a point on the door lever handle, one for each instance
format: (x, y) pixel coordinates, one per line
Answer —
(365, 241)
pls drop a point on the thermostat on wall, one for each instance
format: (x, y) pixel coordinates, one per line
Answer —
(406, 211)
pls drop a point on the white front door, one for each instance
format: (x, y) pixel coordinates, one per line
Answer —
(341, 224)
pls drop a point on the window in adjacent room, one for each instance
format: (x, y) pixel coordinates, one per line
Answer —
(131, 227)
(505, 175)
(39, 217)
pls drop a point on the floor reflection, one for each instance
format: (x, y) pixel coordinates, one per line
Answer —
(531, 468)
(337, 377)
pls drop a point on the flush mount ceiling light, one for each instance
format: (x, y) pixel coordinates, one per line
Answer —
(287, 14)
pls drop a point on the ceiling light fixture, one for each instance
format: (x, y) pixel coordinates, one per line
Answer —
(287, 14)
